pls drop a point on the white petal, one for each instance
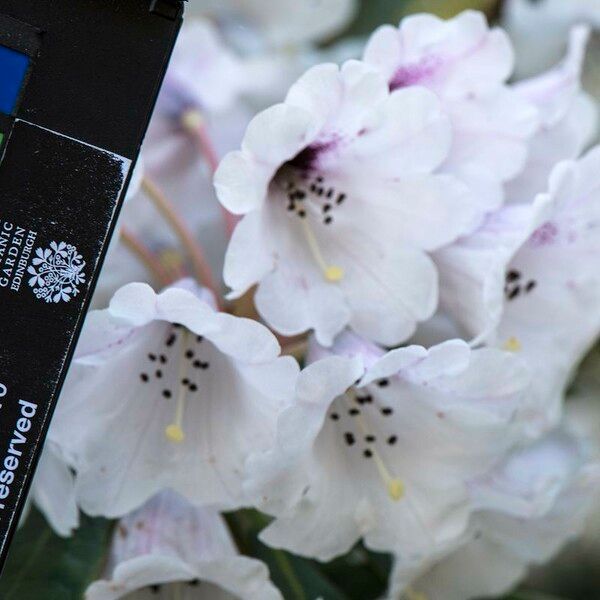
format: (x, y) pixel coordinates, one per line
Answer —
(291, 307)
(273, 137)
(410, 134)
(271, 481)
(393, 362)
(134, 304)
(564, 141)
(454, 57)
(245, 340)
(275, 383)
(569, 118)
(348, 344)
(423, 211)
(493, 131)
(449, 358)
(278, 133)
(528, 483)
(241, 182)
(555, 90)
(405, 132)
(53, 491)
(388, 299)
(492, 571)
(473, 270)
(384, 50)
(242, 339)
(319, 92)
(139, 573)
(101, 337)
(249, 256)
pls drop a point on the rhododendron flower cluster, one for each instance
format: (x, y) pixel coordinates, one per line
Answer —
(409, 246)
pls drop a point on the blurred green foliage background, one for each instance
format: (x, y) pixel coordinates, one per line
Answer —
(375, 12)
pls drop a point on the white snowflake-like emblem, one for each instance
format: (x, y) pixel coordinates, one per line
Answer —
(57, 273)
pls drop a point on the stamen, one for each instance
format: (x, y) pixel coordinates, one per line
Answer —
(174, 432)
(396, 488)
(171, 260)
(512, 344)
(192, 120)
(332, 273)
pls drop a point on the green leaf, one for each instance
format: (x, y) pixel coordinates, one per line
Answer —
(361, 575)
(587, 382)
(43, 565)
(373, 13)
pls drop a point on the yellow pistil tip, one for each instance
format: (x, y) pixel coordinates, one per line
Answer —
(171, 259)
(414, 595)
(192, 119)
(175, 434)
(334, 274)
(512, 345)
(396, 489)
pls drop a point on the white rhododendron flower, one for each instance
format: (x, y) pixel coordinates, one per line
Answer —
(527, 279)
(341, 206)
(466, 64)
(204, 74)
(568, 119)
(385, 452)
(202, 94)
(414, 224)
(528, 508)
(171, 549)
(173, 395)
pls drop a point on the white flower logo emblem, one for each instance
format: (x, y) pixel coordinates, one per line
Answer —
(57, 272)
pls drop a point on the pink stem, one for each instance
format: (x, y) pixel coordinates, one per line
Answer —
(193, 122)
(145, 255)
(195, 251)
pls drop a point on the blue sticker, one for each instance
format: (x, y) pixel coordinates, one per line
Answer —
(13, 68)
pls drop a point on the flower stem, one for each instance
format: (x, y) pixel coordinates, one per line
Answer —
(146, 256)
(202, 269)
(193, 123)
